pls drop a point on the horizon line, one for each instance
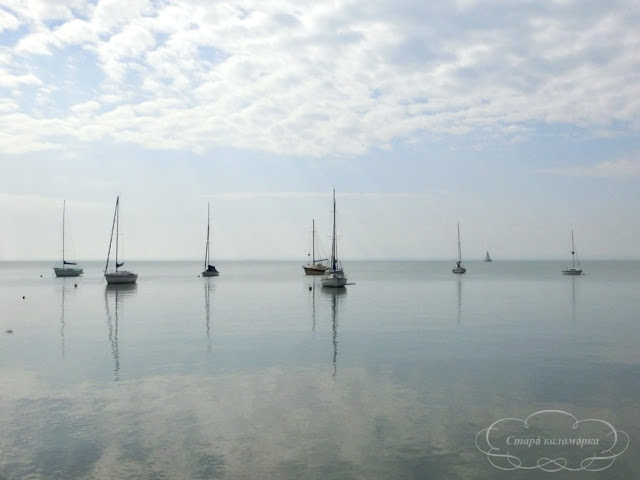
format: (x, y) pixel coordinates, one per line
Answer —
(390, 259)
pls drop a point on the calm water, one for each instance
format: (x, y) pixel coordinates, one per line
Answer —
(261, 373)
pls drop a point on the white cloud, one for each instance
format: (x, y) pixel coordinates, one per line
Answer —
(8, 80)
(8, 22)
(337, 78)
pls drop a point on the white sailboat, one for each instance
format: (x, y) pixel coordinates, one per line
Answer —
(574, 256)
(459, 268)
(117, 276)
(68, 269)
(334, 276)
(316, 267)
(209, 270)
(487, 258)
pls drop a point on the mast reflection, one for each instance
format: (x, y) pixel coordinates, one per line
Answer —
(118, 292)
(335, 294)
(312, 288)
(459, 300)
(208, 293)
(573, 299)
(62, 324)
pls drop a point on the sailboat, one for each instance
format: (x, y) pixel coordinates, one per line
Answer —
(68, 269)
(117, 276)
(209, 270)
(573, 270)
(316, 267)
(487, 258)
(334, 276)
(459, 268)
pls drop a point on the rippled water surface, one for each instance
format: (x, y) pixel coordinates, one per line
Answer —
(261, 373)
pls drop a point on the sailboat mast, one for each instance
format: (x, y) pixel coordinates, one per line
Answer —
(117, 231)
(459, 249)
(206, 250)
(106, 267)
(64, 202)
(313, 242)
(333, 243)
(573, 252)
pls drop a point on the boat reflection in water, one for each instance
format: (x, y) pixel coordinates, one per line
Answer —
(208, 294)
(335, 294)
(459, 300)
(67, 284)
(114, 294)
(573, 300)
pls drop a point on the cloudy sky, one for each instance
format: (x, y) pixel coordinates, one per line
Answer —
(520, 120)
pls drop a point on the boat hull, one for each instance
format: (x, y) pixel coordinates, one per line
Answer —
(120, 277)
(67, 272)
(459, 270)
(208, 273)
(334, 280)
(572, 271)
(315, 269)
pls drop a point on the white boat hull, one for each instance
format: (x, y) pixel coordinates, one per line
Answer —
(67, 272)
(315, 269)
(334, 280)
(572, 271)
(120, 277)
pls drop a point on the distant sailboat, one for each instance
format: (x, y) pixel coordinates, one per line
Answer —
(117, 276)
(459, 268)
(209, 270)
(316, 267)
(574, 258)
(334, 276)
(487, 258)
(68, 269)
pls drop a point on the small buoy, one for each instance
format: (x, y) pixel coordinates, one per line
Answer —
(309, 288)
(75, 285)
(23, 297)
(9, 331)
(40, 276)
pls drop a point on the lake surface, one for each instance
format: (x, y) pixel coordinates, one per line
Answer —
(261, 373)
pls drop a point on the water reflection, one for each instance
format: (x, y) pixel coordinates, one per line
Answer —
(118, 293)
(312, 288)
(573, 299)
(335, 294)
(62, 343)
(459, 300)
(208, 292)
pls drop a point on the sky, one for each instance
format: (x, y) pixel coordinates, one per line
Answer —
(518, 119)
